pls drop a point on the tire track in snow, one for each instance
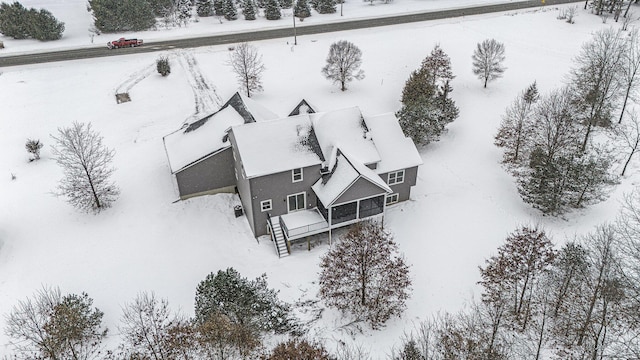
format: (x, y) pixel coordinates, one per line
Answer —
(204, 92)
(135, 78)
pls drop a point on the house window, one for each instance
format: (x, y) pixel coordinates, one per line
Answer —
(392, 199)
(265, 205)
(296, 202)
(396, 177)
(296, 175)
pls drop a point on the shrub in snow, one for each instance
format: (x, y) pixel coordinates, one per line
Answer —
(163, 66)
(33, 147)
(364, 277)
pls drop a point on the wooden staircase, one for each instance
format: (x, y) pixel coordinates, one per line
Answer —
(278, 238)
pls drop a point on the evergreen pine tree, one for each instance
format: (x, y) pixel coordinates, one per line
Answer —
(204, 7)
(448, 109)
(531, 95)
(249, 10)
(122, 15)
(13, 20)
(421, 121)
(302, 9)
(286, 4)
(43, 25)
(183, 12)
(438, 66)
(262, 4)
(272, 10)
(218, 7)
(229, 9)
(418, 87)
(326, 6)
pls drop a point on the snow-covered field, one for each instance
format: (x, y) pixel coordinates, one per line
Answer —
(462, 207)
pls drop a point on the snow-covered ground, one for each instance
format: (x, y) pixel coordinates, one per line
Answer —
(462, 207)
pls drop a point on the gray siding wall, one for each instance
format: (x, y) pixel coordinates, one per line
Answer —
(244, 187)
(361, 189)
(404, 189)
(209, 176)
(277, 187)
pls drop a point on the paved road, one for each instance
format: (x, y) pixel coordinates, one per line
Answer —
(85, 53)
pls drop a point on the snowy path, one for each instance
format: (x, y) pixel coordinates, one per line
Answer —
(204, 92)
(135, 78)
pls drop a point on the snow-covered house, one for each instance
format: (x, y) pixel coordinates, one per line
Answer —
(304, 174)
(200, 154)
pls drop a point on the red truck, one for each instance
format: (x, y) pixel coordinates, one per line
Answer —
(122, 42)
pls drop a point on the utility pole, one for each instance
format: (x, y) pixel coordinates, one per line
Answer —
(295, 36)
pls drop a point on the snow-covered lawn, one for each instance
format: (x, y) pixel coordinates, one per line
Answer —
(462, 207)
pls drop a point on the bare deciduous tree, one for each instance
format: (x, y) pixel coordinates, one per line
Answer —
(628, 134)
(596, 81)
(86, 163)
(630, 69)
(363, 276)
(343, 63)
(52, 326)
(516, 126)
(516, 271)
(150, 330)
(488, 60)
(248, 66)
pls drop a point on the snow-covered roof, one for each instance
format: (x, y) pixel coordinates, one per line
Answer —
(259, 112)
(274, 146)
(303, 107)
(396, 150)
(346, 130)
(189, 145)
(344, 173)
(205, 136)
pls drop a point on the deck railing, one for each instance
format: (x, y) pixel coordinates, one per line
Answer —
(273, 235)
(301, 230)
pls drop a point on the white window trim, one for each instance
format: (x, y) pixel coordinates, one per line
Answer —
(293, 175)
(388, 201)
(265, 202)
(304, 206)
(395, 180)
